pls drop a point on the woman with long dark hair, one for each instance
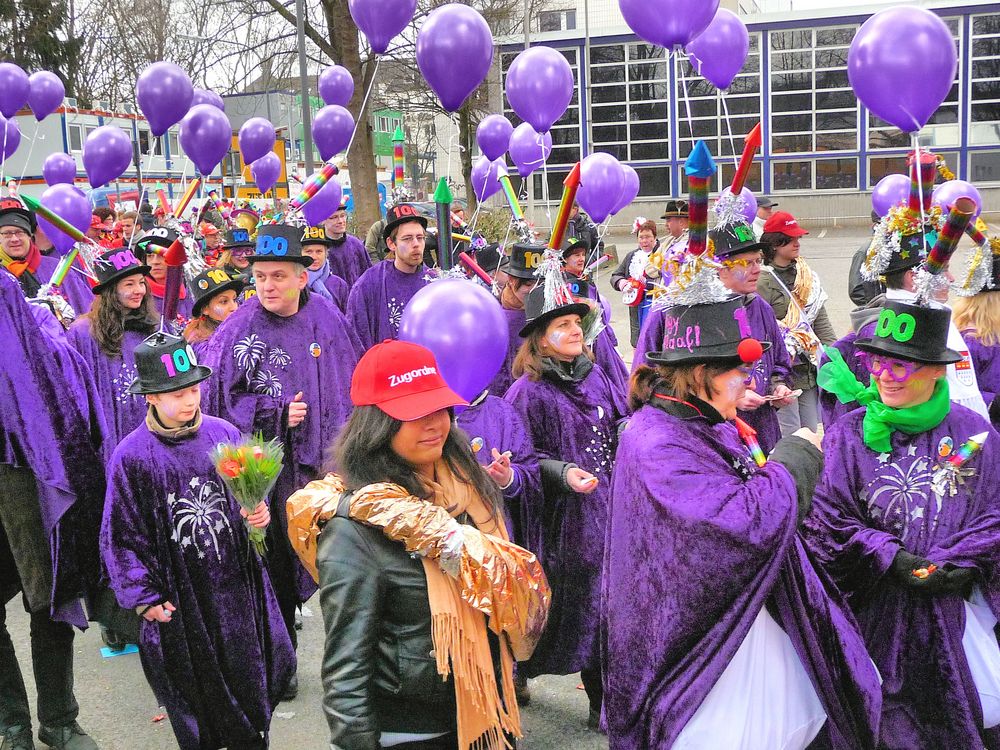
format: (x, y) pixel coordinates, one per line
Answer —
(120, 318)
(410, 549)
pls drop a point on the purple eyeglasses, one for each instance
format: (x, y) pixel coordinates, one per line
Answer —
(900, 370)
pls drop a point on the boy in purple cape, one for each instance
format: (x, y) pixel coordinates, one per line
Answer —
(741, 259)
(571, 409)
(376, 303)
(174, 541)
(51, 491)
(120, 318)
(907, 519)
(719, 632)
(283, 365)
(347, 254)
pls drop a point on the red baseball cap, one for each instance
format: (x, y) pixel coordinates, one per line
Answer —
(784, 222)
(401, 379)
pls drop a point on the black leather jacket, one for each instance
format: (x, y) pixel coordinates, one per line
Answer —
(379, 673)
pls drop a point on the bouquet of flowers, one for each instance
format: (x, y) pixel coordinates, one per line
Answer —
(249, 469)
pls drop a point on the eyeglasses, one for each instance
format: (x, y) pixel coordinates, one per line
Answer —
(411, 238)
(900, 370)
(13, 234)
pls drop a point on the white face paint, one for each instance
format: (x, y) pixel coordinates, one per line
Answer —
(556, 338)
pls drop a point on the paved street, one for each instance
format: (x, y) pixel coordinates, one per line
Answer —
(118, 708)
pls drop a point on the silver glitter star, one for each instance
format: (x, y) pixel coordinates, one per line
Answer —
(916, 513)
(883, 458)
(195, 481)
(911, 451)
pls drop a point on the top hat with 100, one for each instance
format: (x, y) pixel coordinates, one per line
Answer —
(166, 363)
(236, 237)
(116, 264)
(715, 332)
(912, 332)
(211, 282)
(315, 236)
(525, 258)
(536, 316)
(155, 237)
(400, 214)
(279, 243)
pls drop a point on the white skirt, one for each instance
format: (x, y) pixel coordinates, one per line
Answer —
(763, 700)
(983, 654)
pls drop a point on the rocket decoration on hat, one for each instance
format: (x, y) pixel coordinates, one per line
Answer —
(952, 471)
(983, 273)
(929, 277)
(731, 207)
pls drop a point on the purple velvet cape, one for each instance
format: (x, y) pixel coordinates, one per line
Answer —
(694, 551)
(986, 361)
(172, 532)
(830, 405)
(504, 378)
(493, 423)
(52, 424)
(377, 301)
(123, 411)
(260, 362)
(75, 288)
(774, 366)
(574, 422)
(349, 259)
(339, 290)
(867, 507)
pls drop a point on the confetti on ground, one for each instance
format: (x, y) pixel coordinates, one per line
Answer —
(107, 653)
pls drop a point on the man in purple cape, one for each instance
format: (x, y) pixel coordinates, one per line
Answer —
(740, 255)
(51, 491)
(702, 548)
(907, 520)
(347, 255)
(377, 299)
(212, 642)
(283, 365)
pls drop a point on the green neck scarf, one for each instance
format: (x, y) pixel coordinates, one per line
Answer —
(880, 420)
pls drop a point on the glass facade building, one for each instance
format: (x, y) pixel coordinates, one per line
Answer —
(637, 102)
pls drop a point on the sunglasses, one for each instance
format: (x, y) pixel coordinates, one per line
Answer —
(900, 370)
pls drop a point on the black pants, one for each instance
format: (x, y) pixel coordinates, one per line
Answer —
(593, 686)
(52, 663)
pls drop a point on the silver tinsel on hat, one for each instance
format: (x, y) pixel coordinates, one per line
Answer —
(557, 294)
(730, 209)
(884, 244)
(689, 279)
(929, 285)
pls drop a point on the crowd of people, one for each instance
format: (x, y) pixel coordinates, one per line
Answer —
(720, 575)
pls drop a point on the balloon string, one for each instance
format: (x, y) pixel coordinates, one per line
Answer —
(545, 181)
(31, 147)
(364, 103)
(729, 129)
(452, 140)
(920, 181)
(684, 90)
(3, 162)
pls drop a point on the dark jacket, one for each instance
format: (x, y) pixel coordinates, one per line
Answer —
(618, 279)
(861, 291)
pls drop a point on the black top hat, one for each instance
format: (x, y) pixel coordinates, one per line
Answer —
(166, 363)
(574, 245)
(280, 242)
(578, 287)
(116, 264)
(157, 237)
(400, 214)
(236, 237)
(733, 239)
(714, 332)
(315, 236)
(209, 283)
(525, 257)
(675, 210)
(993, 285)
(488, 258)
(913, 248)
(536, 316)
(912, 332)
(14, 214)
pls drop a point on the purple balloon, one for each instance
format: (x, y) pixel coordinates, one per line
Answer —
(540, 86)
(204, 96)
(947, 193)
(256, 139)
(266, 170)
(332, 129)
(107, 153)
(59, 168)
(464, 327)
(164, 93)
(718, 53)
(749, 203)
(322, 205)
(529, 150)
(485, 178)
(10, 139)
(901, 65)
(601, 183)
(630, 189)
(381, 20)
(493, 136)
(454, 52)
(336, 85)
(206, 136)
(668, 22)
(47, 93)
(890, 190)
(69, 203)
(14, 89)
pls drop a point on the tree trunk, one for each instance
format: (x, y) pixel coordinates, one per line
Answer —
(361, 160)
(466, 134)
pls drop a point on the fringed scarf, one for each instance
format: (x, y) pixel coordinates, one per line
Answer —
(808, 298)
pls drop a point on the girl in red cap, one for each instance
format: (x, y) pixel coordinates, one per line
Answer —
(409, 546)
